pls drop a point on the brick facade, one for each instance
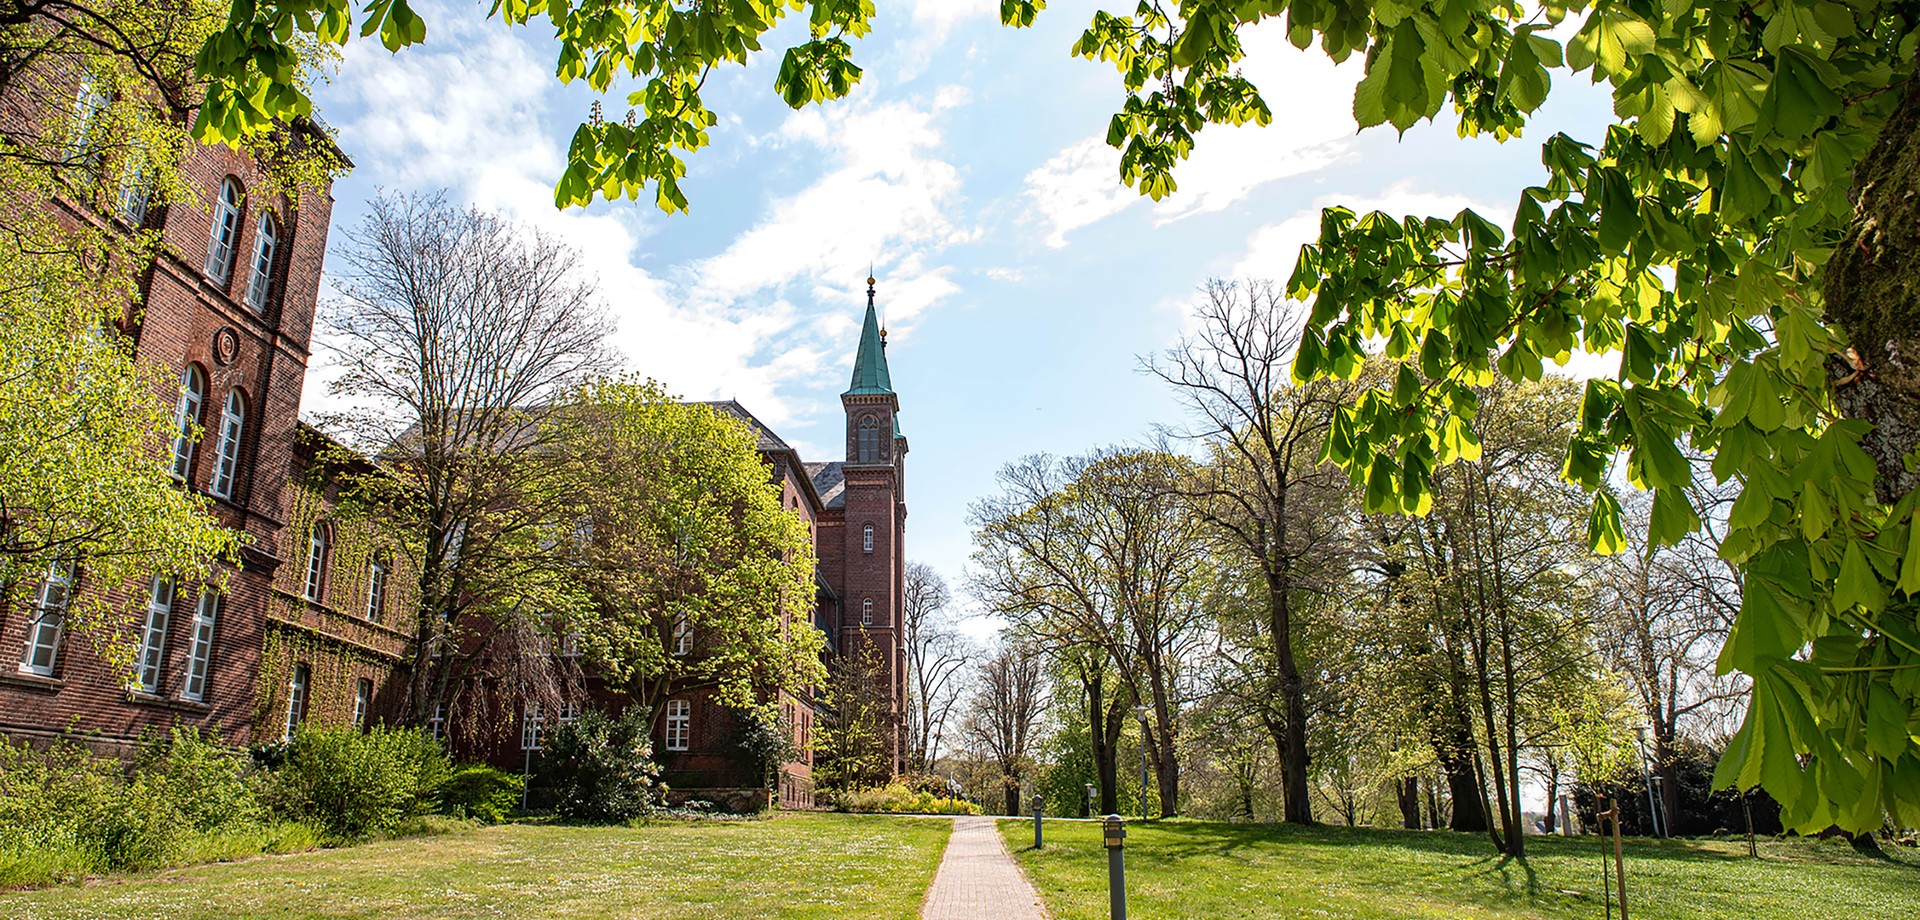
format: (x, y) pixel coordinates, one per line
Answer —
(296, 641)
(187, 318)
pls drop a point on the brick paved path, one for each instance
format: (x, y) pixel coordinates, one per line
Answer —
(978, 880)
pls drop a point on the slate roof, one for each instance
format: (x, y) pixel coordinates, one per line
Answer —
(830, 480)
(768, 441)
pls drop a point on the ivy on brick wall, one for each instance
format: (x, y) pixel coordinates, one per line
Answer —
(333, 637)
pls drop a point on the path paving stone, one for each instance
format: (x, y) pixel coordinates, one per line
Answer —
(978, 880)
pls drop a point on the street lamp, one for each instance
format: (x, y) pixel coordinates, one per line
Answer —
(1140, 712)
(1653, 813)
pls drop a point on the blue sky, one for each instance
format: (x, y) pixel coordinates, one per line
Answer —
(1019, 279)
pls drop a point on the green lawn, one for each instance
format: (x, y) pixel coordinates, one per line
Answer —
(787, 866)
(1199, 869)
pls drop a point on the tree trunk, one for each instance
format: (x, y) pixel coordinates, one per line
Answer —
(1407, 793)
(1011, 784)
(1298, 806)
(1873, 292)
(1463, 782)
(1105, 737)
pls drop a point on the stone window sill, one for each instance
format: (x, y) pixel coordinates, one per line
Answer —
(166, 702)
(35, 681)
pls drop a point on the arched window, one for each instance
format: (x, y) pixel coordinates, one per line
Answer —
(260, 279)
(136, 191)
(153, 639)
(88, 105)
(225, 233)
(866, 539)
(227, 463)
(866, 611)
(362, 701)
(48, 620)
(682, 634)
(297, 698)
(869, 440)
(186, 416)
(317, 560)
(194, 688)
(376, 588)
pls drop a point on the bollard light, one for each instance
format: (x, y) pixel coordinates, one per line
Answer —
(1038, 806)
(1115, 831)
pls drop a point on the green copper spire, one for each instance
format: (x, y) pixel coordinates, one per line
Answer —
(870, 377)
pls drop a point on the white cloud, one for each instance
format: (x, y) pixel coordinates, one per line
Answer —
(1273, 249)
(938, 17)
(887, 204)
(1312, 103)
(470, 112)
(1078, 186)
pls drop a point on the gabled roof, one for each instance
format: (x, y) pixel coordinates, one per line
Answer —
(870, 377)
(768, 441)
(830, 481)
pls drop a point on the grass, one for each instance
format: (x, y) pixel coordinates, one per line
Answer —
(1201, 869)
(797, 865)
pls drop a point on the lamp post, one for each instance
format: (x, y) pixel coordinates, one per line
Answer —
(1140, 712)
(1646, 770)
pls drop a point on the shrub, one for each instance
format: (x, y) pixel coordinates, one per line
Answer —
(602, 769)
(210, 784)
(900, 799)
(65, 813)
(351, 784)
(481, 792)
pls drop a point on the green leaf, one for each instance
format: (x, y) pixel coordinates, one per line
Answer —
(1857, 583)
(1801, 96)
(1763, 631)
(1619, 209)
(1910, 566)
(1887, 716)
(1672, 519)
(1604, 534)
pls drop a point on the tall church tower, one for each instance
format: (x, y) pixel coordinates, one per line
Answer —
(876, 517)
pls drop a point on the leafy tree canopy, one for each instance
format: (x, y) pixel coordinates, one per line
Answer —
(1741, 237)
(692, 574)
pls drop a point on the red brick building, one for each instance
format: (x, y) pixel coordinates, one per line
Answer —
(856, 510)
(314, 623)
(228, 308)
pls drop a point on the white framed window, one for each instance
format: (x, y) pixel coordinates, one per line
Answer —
(362, 701)
(869, 444)
(866, 539)
(297, 699)
(193, 388)
(135, 193)
(153, 639)
(531, 723)
(679, 724)
(49, 620)
(200, 655)
(569, 712)
(225, 233)
(376, 590)
(866, 611)
(316, 561)
(682, 634)
(266, 239)
(227, 462)
(437, 726)
(88, 104)
(570, 644)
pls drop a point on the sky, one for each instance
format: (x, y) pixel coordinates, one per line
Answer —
(1020, 282)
